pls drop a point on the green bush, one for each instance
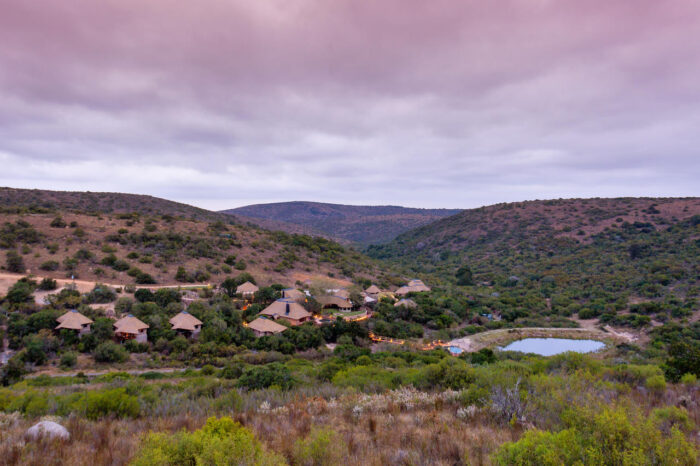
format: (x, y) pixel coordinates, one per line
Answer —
(267, 376)
(68, 360)
(50, 266)
(220, 442)
(611, 437)
(322, 447)
(108, 403)
(110, 352)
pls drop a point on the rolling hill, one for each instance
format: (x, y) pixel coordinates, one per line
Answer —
(628, 261)
(12, 199)
(357, 224)
(573, 221)
(125, 239)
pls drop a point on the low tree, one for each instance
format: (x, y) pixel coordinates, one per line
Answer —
(14, 262)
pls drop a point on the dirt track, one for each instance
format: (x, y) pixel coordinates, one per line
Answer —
(84, 286)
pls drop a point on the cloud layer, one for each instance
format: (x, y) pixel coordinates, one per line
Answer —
(438, 104)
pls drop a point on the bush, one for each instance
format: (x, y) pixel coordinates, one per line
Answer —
(323, 447)
(21, 292)
(49, 266)
(611, 437)
(48, 284)
(14, 262)
(656, 384)
(144, 295)
(110, 352)
(221, 442)
(108, 403)
(143, 278)
(267, 376)
(133, 346)
(100, 294)
(68, 360)
(58, 222)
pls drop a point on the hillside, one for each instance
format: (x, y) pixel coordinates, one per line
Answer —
(632, 262)
(141, 239)
(574, 221)
(12, 199)
(358, 224)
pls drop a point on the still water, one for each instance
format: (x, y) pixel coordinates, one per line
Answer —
(552, 346)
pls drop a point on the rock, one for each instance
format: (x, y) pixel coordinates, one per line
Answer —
(48, 429)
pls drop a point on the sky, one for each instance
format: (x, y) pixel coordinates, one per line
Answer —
(440, 103)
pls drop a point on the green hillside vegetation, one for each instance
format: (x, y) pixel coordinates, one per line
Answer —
(122, 248)
(630, 263)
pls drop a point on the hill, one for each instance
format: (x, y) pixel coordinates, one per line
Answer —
(358, 224)
(627, 261)
(123, 239)
(12, 199)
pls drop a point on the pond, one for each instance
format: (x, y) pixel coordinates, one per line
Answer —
(456, 350)
(552, 346)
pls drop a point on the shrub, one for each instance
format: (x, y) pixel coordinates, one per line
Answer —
(323, 447)
(49, 266)
(21, 292)
(110, 352)
(14, 262)
(48, 284)
(114, 402)
(656, 384)
(133, 346)
(100, 294)
(221, 441)
(231, 401)
(68, 360)
(266, 376)
(143, 278)
(144, 295)
(610, 437)
(58, 222)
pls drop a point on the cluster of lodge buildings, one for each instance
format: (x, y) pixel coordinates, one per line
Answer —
(129, 327)
(287, 309)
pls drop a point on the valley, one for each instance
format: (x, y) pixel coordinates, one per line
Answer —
(183, 319)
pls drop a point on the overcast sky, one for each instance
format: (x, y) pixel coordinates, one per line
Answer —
(459, 103)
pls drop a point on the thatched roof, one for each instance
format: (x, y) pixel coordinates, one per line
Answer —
(185, 321)
(247, 287)
(264, 325)
(374, 289)
(414, 286)
(334, 301)
(129, 324)
(286, 307)
(72, 320)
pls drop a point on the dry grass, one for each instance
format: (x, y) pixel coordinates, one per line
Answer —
(429, 432)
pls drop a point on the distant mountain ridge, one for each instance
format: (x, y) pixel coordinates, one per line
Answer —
(358, 224)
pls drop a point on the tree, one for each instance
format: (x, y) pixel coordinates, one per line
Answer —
(684, 359)
(14, 262)
(464, 276)
(144, 295)
(21, 292)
